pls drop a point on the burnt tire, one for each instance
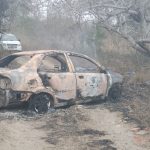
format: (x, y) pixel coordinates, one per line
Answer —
(40, 103)
(115, 92)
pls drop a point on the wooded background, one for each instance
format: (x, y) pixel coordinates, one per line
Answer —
(88, 26)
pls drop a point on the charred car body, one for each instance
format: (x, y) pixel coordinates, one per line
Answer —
(46, 79)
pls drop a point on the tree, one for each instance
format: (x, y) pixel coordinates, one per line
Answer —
(3, 9)
(128, 18)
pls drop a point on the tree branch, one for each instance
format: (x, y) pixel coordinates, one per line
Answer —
(108, 6)
(144, 41)
(133, 43)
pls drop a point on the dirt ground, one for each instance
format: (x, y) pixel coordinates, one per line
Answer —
(112, 125)
(79, 127)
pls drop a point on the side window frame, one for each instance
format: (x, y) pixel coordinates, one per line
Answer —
(53, 56)
(82, 57)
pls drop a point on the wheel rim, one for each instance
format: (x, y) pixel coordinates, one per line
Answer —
(41, 104)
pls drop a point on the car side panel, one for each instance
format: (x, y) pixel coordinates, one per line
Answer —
(91, 84)
(63, 84)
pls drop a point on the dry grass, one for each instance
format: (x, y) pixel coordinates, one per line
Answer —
(135, 68)
(120, 57)
(141, 76)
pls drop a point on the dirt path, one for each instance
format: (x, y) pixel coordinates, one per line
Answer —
(118, 132)
(76, 128)
(16, 135)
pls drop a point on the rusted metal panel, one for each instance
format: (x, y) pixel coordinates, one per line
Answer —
(63, 84)
(68, 85)
(91, 84)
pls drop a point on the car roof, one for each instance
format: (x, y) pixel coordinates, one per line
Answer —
(46, 51)
(53, 52)
(38, 52)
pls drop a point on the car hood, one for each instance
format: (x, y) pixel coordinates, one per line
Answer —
(115, 77)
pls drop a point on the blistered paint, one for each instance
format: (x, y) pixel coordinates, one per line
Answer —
(91, 84)
(63, 84)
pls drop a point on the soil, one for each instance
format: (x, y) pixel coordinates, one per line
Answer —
(113, 125)
(79, 127)
(122, 124)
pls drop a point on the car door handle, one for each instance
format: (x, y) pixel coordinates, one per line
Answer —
(81, 77)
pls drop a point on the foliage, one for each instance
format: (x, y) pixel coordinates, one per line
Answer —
(3, 9)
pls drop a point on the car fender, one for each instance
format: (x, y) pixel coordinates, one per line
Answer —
(48, 91)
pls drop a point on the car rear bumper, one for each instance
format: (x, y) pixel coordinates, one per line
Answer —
(10, 97)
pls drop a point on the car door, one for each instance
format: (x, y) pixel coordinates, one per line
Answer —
(90, 81)
(56, 74)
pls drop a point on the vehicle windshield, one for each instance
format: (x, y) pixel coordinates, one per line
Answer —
(14, 61)
(8, 37)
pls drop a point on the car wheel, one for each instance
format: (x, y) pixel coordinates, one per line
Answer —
(115, 92)
(40, 103)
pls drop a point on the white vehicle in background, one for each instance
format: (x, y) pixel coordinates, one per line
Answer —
(9, 42)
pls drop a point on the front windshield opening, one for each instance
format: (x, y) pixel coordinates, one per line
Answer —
(8, 37)
(14, 61)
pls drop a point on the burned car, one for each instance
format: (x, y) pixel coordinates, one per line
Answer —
(48, 78)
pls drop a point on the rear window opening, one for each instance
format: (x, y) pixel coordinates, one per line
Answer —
(53, 64)
(14, 61)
